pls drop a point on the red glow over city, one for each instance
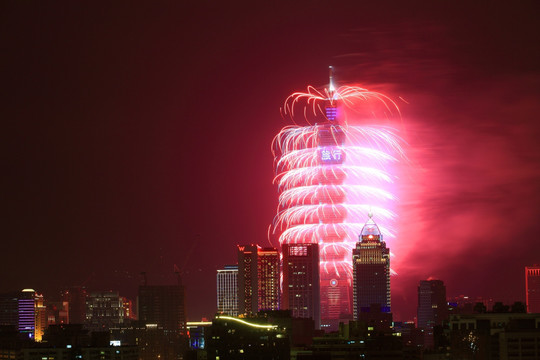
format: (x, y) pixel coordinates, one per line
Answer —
(138, 140)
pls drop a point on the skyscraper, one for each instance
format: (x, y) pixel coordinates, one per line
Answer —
(301, 287)
(27, 313)
(248, 285)
(258, 279)
(329, 173)
(268, 278)
(371, 270)
(41, 316)
(532, 285)
(432, 307)
(227, 290)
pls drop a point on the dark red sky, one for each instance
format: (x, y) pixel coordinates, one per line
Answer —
(136, 137)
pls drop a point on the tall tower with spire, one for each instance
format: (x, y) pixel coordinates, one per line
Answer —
(329, 172)
(371, 270)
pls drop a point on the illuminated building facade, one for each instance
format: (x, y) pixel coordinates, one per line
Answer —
(27, 313)
(41, 317)
(268, 279)
(432, 308)
(104, 310)
(371, 270)
(532, 285)
(227, 290)
(301, 282)
(258, 279)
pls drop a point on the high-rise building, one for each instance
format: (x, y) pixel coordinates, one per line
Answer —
(268, 278)
(248, 284)
(9, 309)
(301, 284)
(40, 316)
(371, 270)
(163, 306)
(76, 299)
(104, 310)
(258, 279)
(432, 308)
(532, 284)
(27, 312)
(227, 290)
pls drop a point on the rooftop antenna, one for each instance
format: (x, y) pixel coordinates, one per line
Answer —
(331, 87)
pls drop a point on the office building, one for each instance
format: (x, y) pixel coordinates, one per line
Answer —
(301, 289)
(432, 308)
(532, 285)
(268, 279)
(248, 284)
(258, 279)
(371, 271)
(27, 313)
(104, 310)
(163, 306)
(227, 290)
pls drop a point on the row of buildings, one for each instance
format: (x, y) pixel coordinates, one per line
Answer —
(100, 323)
(267, 279)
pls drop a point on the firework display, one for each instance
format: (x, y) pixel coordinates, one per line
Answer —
(331, 172)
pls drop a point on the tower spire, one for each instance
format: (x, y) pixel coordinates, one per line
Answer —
(331, 87)
(330, 109)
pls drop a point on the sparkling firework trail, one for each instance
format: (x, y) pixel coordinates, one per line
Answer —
(330, 173)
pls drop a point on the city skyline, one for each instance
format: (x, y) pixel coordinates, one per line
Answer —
(138, 139)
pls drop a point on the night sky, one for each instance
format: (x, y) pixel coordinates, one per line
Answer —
(136, 137)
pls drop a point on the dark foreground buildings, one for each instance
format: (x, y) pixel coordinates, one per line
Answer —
(494, 336)
(251, 338)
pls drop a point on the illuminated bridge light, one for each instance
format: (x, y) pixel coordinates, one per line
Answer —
(260, 326)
